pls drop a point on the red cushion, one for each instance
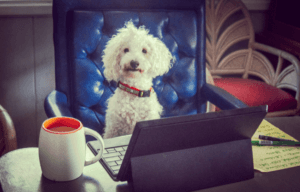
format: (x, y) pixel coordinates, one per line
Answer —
(255, 93)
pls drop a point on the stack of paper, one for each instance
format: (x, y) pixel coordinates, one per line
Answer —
(273, 158)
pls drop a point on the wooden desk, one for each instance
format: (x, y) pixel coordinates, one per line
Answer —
(20, 171)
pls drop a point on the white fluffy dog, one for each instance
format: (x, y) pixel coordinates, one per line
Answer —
(133, 58)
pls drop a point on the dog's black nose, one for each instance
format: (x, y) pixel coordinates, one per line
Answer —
(134, 64)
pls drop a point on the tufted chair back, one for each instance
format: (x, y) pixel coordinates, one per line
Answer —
(81, 31)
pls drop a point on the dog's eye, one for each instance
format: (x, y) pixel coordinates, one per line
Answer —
(144, 50)
(126, 50)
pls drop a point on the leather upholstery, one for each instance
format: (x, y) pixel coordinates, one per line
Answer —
(81, 31)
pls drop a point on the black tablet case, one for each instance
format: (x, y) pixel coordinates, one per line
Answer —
(192, 152)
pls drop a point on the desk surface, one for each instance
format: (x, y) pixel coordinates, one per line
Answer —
(20, 171)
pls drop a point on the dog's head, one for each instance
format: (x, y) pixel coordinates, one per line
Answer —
(133, 53)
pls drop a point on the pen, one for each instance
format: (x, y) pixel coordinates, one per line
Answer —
(275, 143)
(263, 137)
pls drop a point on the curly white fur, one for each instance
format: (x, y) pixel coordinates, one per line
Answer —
(154, 59)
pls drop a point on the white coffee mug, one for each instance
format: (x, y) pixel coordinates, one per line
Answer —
(62, 148)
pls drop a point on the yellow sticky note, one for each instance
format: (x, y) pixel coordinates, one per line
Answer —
(273, 158)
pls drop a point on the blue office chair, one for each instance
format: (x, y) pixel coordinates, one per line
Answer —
(81, 31)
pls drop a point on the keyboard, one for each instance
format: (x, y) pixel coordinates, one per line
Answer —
(113, 158)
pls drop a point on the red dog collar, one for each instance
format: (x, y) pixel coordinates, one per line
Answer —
(133, 90)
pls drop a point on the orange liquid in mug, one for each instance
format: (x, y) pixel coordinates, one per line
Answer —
(62, 129)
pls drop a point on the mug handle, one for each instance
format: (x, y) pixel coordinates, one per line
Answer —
(93, 133)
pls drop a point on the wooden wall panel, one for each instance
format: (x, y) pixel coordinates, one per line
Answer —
(26, 73)
(44, 65)
(17, 86)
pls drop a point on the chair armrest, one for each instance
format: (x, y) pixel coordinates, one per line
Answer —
(280, 53)
(56, 104)
(8, 137)
(221, 98)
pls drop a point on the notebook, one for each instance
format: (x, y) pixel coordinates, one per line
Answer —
(177, 133)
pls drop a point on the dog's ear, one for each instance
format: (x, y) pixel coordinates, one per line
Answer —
(161, 58)
(111, 59)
